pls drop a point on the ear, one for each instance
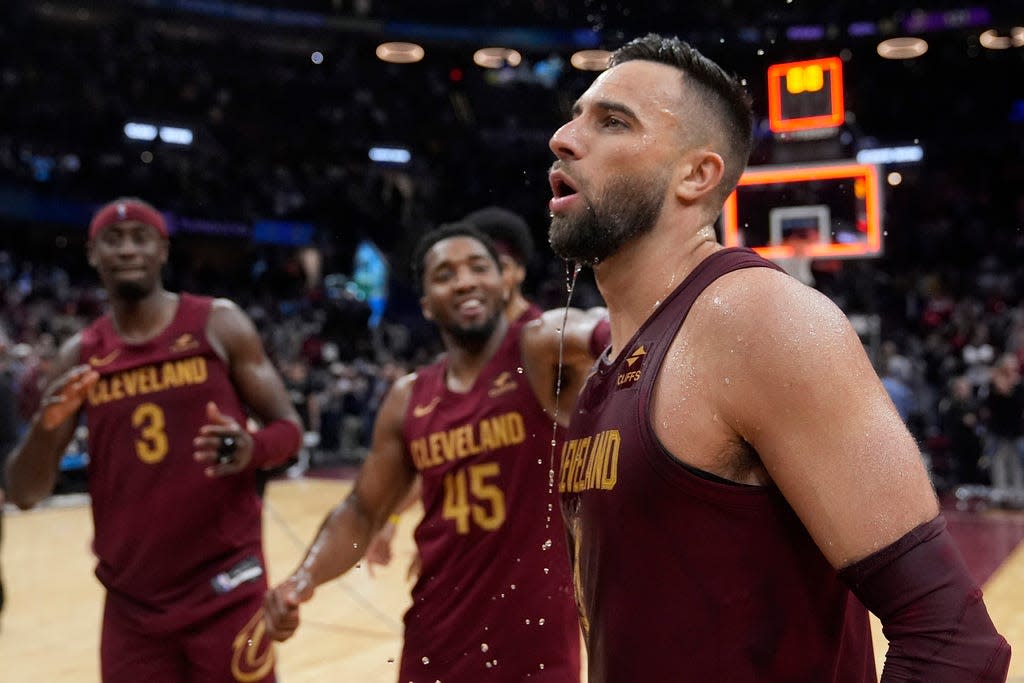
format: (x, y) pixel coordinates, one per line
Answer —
(701, 172)
(90, 254)
(165, 250)
(423, 308)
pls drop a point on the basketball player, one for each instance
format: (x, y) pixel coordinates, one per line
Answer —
(165, 382)
(493, 600)
(734, 468)
(512, 240)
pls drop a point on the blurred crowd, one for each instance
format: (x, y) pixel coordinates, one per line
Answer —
(948, 348)
(940, 311)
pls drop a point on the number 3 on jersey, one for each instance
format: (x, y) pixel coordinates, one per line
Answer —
(468, 496)
(148, 418)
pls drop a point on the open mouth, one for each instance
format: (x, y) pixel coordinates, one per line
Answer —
(561, 186)
(563, 192)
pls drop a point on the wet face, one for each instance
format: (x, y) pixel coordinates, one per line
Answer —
(128, 257)
(615, 161)
(463, 290)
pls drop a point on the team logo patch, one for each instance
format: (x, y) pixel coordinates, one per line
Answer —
(424, 410)
(634, 365)
(105, 360)
(502, 384)
(185, 342)
(253, 653)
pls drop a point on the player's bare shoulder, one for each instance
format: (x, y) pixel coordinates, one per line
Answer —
(393, 409)
(231, 330)
(749, 314)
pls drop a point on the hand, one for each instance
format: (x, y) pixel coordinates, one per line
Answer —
(65, 395)
(222, 444)
(379, 550)
(281, 605)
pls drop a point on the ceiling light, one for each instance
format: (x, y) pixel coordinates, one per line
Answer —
(902, 48)
(496, 57)
(591, 60)
(400, 53)
(993, 41)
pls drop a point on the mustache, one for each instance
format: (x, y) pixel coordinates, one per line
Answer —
(559, 165)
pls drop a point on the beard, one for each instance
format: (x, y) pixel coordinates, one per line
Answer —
(131, 291)
(629, 208)
(474, 337)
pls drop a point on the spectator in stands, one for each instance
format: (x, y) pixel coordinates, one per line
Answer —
(1004, 424)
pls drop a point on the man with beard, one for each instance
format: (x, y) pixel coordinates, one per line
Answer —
(493, 600)
(755, 472)
(512, 240)
(166, 383)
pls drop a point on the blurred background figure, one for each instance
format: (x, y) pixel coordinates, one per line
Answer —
(1003, 409)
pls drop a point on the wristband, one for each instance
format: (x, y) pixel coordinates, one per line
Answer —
(275, 443)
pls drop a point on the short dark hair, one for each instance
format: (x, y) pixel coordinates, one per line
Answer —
(508, 229)
(721, 92)
(443, 232)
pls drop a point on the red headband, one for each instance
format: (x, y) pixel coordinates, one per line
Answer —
(121, 210)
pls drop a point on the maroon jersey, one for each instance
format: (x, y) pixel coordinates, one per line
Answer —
(168, 538)
(681, 575)
(494, 598)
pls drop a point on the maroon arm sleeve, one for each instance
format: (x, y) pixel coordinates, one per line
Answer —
(931, 610)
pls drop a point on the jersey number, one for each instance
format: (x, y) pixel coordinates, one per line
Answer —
(469, 496)
(148, 418)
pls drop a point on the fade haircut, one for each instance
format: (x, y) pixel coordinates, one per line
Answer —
(443, 232)
(719, 92)
(508, 230)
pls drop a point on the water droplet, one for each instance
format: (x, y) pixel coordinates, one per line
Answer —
(483, 647)
(728, 380)
(546, 570)
(513, 586)
(547, 544)
(541, 622)
(356, 546)
(542, 666)
(527, 622)
(519, 370)
(426, 660)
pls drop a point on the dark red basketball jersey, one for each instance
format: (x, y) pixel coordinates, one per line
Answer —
(169, 539)
(682, 576)
(493, 602)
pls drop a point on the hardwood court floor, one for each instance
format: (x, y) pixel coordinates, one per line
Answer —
(352, 629)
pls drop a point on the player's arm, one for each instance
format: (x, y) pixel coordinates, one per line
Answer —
(235, 338)
(383, 481)
(33, 464)
(803, 393)
(558, 352)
